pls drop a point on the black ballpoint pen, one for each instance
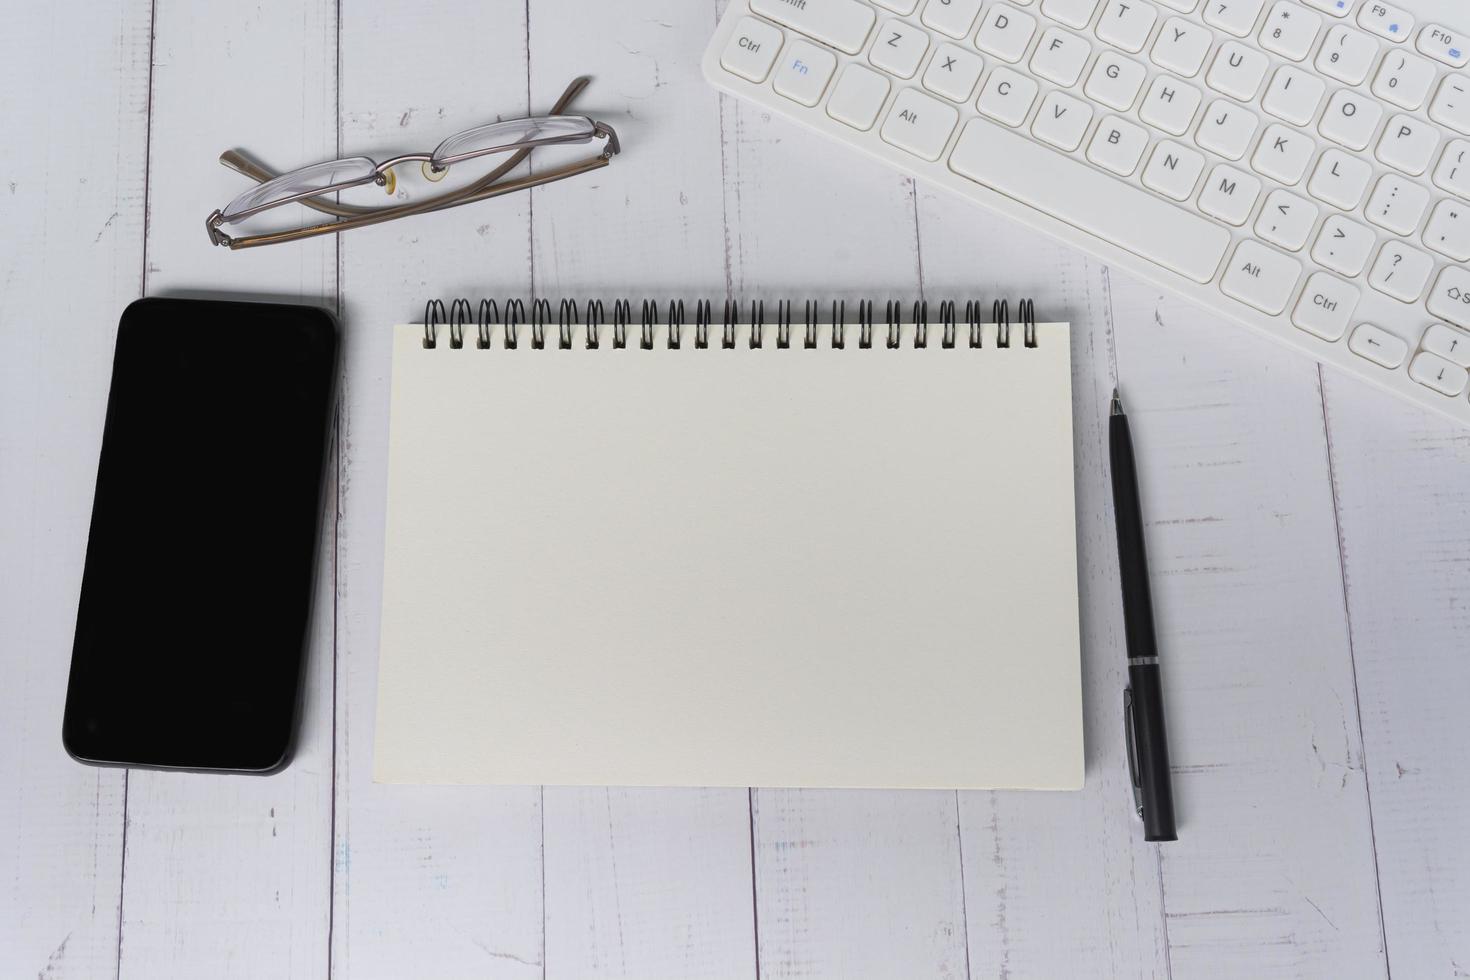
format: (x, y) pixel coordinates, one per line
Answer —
(1143, 700)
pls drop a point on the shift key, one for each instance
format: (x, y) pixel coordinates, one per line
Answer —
(844, 24)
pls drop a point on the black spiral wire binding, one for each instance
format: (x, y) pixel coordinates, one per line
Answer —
(783, 324)
(489, 316)
(540, 316)
(459, 312)
(594, 323)
(727, 330)
(676, 323)
(702, 314)
(433, 316)
(1028, 321)
(622, 316)
(569, 317)
(566, 321)
(515, 314)
(1000, 312)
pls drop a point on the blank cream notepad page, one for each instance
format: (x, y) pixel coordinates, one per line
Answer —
(731, 567)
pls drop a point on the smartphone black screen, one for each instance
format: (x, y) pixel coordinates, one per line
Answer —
(192, 623)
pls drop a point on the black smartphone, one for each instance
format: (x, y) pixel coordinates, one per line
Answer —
(196, 597)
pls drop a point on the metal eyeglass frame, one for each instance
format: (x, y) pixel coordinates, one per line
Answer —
(352, 216)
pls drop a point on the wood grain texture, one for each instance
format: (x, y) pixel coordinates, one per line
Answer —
(1402, 488)
(1273, 875)
(1032, 860)
(639, 883)
(1310, 573)
(427, 881)
(71, 256)
(227, 876)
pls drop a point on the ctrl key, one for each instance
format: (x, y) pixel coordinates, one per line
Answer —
(752, 49)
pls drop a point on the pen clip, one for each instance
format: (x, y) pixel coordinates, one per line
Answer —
(1129, 740)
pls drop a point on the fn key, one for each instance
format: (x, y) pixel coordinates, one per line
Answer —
(919, 124)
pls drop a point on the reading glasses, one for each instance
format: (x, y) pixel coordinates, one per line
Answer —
(322, 186)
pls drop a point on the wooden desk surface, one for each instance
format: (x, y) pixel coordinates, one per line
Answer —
(1310, 540)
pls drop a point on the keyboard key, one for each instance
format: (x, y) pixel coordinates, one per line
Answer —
(1444, 45)
(920, 124)
(1261, 277)
(1071, 191)
(1347, 55)
(899, 48)
(1062, 121)
(1237, 70)
(1127, 24)
(1325, 307)
(1286, 220)
(1343, 246)
(1400, 271)
(752, 49)
(1118, 145)
(1283, 154)
(1005, 32)
(1451, 106)
(843, 24)
(1007, 96)
(803, 72)
(1293, 95)
(1397, 204)
(1453, 172)
(1115, 81)
(858, 97)
(1183, 6)
(952, 17)
(1350, 119)
(904, 7)
(1226, 129)
(1450, 298)
(1073, 13)
(1404, 79)
(1337, 8)
(1174, 170)
(1340, 179)
(1236, 17)
(1448, 231)
(1449, 343)
(1408, 144)
(1170, 105)
(1290, 31)
(1060, 56)
(953, 72)
(1435, 372)
(1181, 47)
(1229, 194)
(1378, 345)
(1386, 20)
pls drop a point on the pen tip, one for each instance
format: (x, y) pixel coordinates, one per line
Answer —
(1117, 408)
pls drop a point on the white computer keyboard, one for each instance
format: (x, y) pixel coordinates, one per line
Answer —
(1302, 166)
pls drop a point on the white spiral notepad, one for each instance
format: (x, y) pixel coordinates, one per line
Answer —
(730, 553)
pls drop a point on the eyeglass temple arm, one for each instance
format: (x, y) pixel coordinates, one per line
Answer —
(479, 190)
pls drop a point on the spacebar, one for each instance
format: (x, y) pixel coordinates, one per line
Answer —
(1074, 193)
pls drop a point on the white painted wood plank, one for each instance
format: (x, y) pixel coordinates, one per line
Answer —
(71, 256)
(438, 881)
(847, 884)
(1403, 493)
(639, 883)
(1273, 874)
(1035, 859)
(228, 876)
